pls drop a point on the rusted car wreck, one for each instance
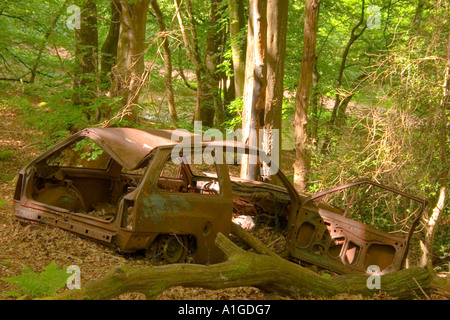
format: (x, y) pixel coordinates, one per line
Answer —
(124, 188)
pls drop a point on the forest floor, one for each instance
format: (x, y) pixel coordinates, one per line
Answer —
(36, 246)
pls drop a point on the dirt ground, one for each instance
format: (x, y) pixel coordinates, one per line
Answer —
(37, 246)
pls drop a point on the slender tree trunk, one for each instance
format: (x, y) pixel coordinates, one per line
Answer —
(192, 51)
(353, 37)
(277, 17)
(205, 107)
(255, 84)
(303, 93)
(109, 48)
(340, 105)
(129, 73)
(226, 82)
(238, 45)
(167, 56)
(86, 54)
(212, 53)
(313, 127)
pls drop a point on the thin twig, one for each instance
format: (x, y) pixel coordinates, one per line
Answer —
(420, 287)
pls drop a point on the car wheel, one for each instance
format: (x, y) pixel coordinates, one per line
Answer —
(170, 248)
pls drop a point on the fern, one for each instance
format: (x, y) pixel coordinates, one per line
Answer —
(38, 285)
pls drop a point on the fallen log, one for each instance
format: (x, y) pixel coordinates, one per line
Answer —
(243, 268)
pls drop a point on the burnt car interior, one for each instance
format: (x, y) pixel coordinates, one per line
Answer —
(83, 178)
(185, 176)
(265, 200)
(255, 199)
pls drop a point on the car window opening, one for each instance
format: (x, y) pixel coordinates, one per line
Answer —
(83, 178)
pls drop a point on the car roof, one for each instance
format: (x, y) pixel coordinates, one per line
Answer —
(130, 146)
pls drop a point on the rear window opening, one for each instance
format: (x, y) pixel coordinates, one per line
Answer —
(82, 178)
(82, 153)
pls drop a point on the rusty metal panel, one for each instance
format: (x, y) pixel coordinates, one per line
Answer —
(322, 235)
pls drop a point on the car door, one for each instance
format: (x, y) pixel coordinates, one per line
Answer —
(175, 201)
(325, 232)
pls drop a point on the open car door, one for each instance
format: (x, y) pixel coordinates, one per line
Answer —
(354, 226)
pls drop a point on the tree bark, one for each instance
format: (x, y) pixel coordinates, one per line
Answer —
(167, 56)
(86, 54)
(129, 71)
(213, 43)
(245, 269)
(109, 48)
(277, 17)
(313, 127)
(255, 84)
(303, 93)
(238, 45)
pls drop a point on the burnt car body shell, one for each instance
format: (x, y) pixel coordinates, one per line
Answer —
(145, 211)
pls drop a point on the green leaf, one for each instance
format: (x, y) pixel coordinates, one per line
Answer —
(38, 285)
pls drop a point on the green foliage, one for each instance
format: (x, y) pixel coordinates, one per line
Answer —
(6, 177)
(92, 150)
(38, 285)
(226, 66)
(2, 203)
(6, 154)
(234, 114)
(58, 115)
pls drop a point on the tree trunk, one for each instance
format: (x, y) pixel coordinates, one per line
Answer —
(255, 84)
(86, 54)
(129, 73)
(212, 53)
(238, 45)
(206, 83)
(167, 56)
(303, 93)
(271, 273)
(353, 37)
(315, 101)
(109, 48)
(277, 17)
